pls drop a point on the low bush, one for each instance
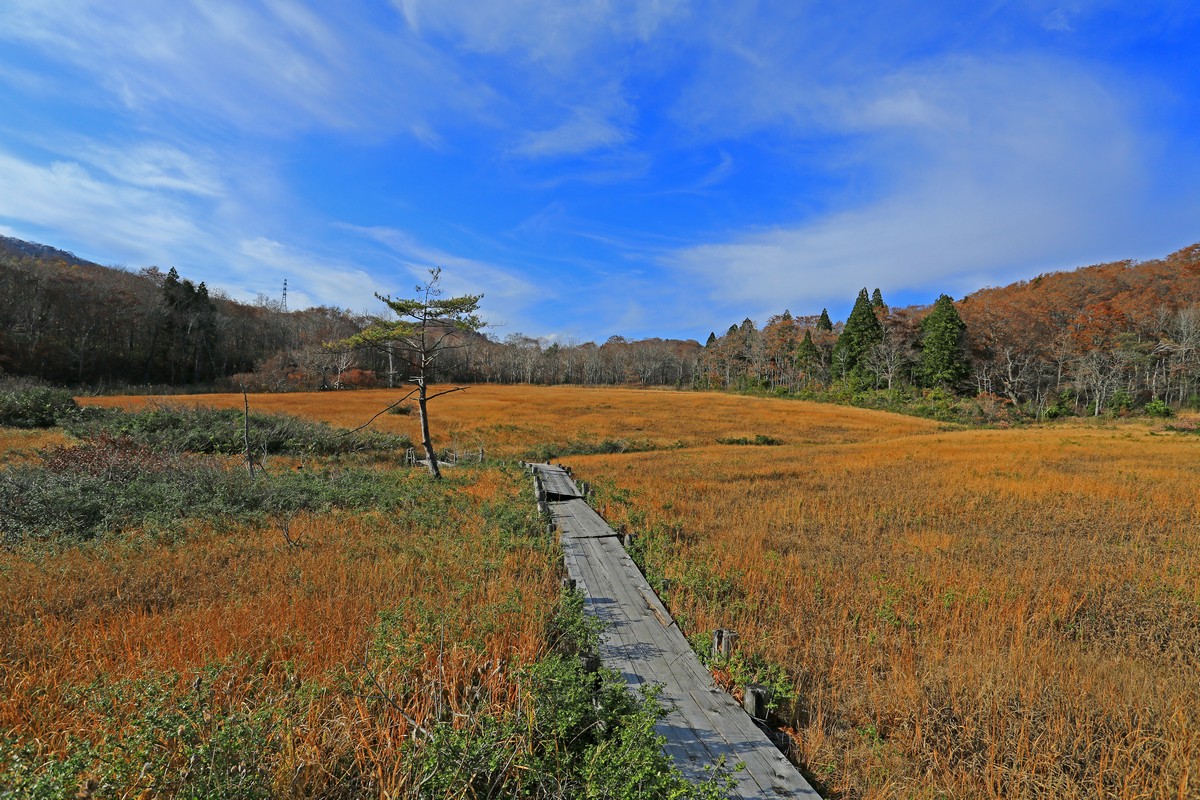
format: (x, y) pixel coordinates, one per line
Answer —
(112, 485)
(1158, 408)
(757, 439)
(201, 429)
(590, 447)
(30, 403)
(233, 730)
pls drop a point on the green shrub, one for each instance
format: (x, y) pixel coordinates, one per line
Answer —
(169, 745)
(114, 485)
(202, 429)
(30, 403)
(1158, 408)
(757, 439)
(588, 447)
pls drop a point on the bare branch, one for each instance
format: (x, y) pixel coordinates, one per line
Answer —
(380, 414)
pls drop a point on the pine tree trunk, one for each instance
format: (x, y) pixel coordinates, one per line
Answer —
(426, 441)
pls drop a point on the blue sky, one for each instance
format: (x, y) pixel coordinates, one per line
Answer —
(635, 167)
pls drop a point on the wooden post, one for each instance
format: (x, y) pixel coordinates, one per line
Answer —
(627, 538)
(666, 585)
(723, 643)
(543, 509)
(569, 584)
(755, 700)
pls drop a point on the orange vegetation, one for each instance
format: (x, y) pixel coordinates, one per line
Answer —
(967, 613)
(351, 610)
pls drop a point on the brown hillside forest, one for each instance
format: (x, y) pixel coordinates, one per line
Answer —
(1109, 338)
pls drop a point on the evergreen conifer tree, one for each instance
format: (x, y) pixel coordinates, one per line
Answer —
(943, 346)
(877, 301)
(808, 355)
(823, 322)
(862, 332)
(712, 339)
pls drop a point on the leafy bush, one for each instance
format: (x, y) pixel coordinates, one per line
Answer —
(113, 485)
(30, 403)
(757, 439)
(195, 745)
(578, 734)
(1157, 408)
(584, 735)
(589, 447)
(202, 429)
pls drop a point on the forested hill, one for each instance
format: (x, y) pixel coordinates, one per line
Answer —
(1109, 336)
(1101, 338)
(71, 321)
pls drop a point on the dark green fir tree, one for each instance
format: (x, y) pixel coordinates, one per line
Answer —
(862, 332)
(943, 346)
(808, 355)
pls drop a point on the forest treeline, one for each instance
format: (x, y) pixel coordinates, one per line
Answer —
(1099, 339)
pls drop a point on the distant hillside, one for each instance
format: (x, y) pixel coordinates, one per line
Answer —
(1127, 294)
(72, 321)
(1104, 338)
(18, 247)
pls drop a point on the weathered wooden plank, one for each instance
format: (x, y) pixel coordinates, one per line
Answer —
(642, 642)
(556, 481)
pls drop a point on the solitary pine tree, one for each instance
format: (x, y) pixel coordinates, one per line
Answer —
(943, 345)
(824, 323)
(426, 326)
(862, 332)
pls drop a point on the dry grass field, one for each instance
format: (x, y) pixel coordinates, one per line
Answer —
(288, 669)
(961, 613)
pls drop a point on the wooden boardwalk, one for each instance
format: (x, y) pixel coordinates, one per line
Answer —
(703, 724)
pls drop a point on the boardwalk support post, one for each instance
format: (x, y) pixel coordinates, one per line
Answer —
(723, 643)
(756, 699)
(569, 584)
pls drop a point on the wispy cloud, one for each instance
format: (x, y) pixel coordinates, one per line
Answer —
(507, 294)
(982, 168)
(108, 216)
(585, 130)
(270, 67)
(312, 280)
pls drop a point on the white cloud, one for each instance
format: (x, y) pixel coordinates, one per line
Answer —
(270, 67)
(981, 170)
(126, 220)
(312, 280)
(585, 130)
(541, 31)
(155, 165)
(507, 295)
